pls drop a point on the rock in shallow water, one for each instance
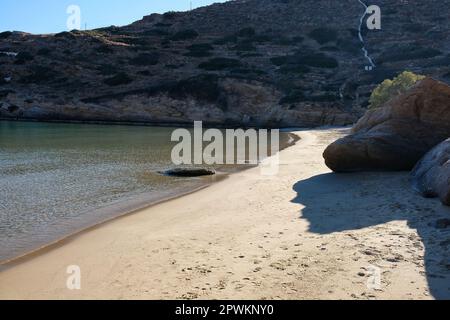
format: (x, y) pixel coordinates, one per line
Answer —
(186, 173)
(396, 135)
(431, 176)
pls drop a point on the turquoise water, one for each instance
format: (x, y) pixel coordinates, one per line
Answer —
(56, 179)
(59, 178)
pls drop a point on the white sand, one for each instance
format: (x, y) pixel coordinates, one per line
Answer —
(303, 234)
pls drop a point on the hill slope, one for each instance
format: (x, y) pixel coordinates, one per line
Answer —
(243, 62)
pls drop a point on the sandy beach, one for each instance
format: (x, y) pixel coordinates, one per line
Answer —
(305, 233)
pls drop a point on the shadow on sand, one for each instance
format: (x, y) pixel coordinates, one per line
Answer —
(346, 202)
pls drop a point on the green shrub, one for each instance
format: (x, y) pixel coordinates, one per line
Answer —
(250, 55)
(183, 35)
(119, 79)
(163, 25)
(415, 28)
(327, 97)
(23, 57)
(145, 59)
(6, 34)
(107, 69)
(43, 52)
(244, 46)
(65, 35)
(350, 46)
(408, 52)
(38, 75)
(246, 32)
(173, 66)
(294, 69)
(203, 87)
(388, 89)
(319, 60)
(242, 71)
(440, 62)
(282, 60)
(220, 64)
(329, 49)
(199, 50)
(323, 35)
(200, 47)
(145, 73)
(198, 54)
(135, 41)
(226, 40)
(261, 38)
(294, 96)
(13, 108)
(4, 93)
(104, 49)
(155, 32)
(170, 15)
(287, 41)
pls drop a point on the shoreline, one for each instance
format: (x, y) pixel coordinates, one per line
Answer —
(125, 208)
(158, 124)
(140, 205)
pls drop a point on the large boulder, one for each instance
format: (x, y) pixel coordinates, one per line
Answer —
(431, 176)
(396, 135)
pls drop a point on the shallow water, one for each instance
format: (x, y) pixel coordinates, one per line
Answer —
(56, 179)
(54, 176)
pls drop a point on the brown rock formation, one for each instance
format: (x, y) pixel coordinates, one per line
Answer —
(396, 135)
(431, 176)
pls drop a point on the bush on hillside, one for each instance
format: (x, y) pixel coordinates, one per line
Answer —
(323, 35)
(408, 52)
(6, 34)
(226, 40)
(199, 50)
(107, 69)
(119, 79)
(145, 59)
(294, 69)
(44, 52)
(319, 60)
(38, 75)
(216, 64)
(183, 35)
(294, 96)
(244, 46)
(203, 87)
(246, 32)
(388, 89)
(65, 35)
(24, 57)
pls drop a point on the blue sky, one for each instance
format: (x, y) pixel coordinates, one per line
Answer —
(48, 16)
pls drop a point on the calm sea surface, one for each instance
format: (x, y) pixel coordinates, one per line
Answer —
(56, 179)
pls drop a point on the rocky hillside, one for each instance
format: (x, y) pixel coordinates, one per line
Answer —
(243, 62)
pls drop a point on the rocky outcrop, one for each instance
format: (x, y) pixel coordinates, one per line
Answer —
(189, 172)
(431, 176)
(396, 135)
(267, 63)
